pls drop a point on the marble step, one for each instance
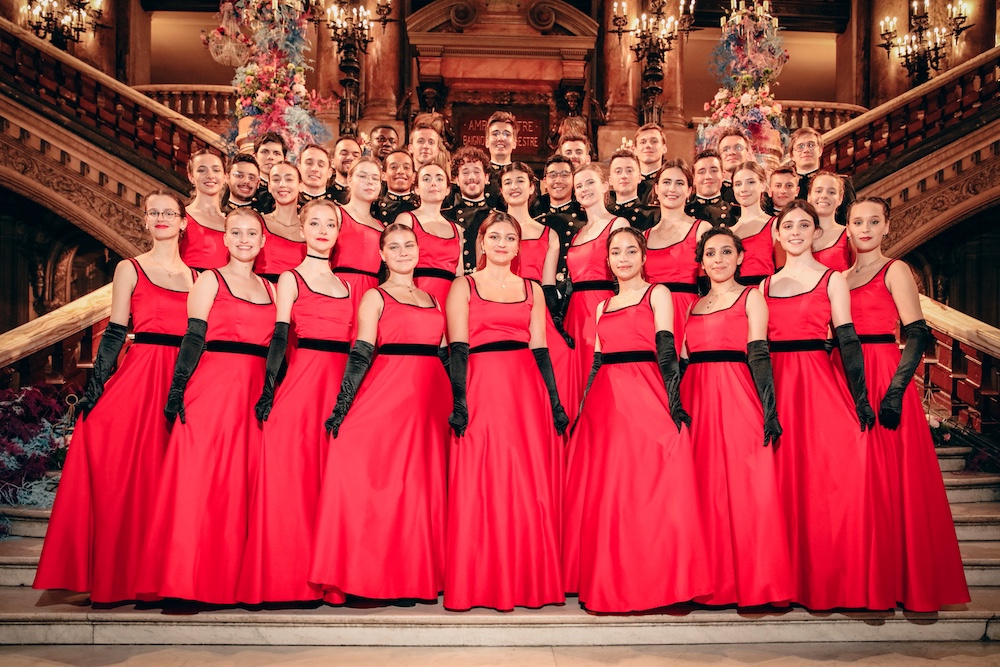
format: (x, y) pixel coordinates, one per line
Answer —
(26, 521)
(976, 522)
(33, 617)
(982, 563)
(952, 459)
(972, 487)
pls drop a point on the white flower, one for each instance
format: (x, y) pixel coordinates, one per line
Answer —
(746, 99)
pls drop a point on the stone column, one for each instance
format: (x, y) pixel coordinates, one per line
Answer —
(620, 73)
(680, 139)
(327, 77)
(382, 69)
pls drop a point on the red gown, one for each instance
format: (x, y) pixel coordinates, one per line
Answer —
(380, 522)
(285, 492)
(735, 474)
(634, 538)
(837, 256)
(99, 524)
(356, 258)
(758, 257)
(822, 457)
(531, 259)
(277, 256)
(203, 248)
(915, 556)
(199, 527)
(674, 266)
(438, 258)
(505, 473)
(591, 282)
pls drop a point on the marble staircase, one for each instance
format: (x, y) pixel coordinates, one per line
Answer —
(59, 617)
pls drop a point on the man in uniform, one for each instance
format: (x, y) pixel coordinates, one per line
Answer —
(345, 152)
(650, 148)
(468, 170)
(624, 199)
(707, 202)
(398, 197)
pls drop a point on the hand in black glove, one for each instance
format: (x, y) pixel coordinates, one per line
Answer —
(759, 360)
(918, 337)
(544, 361)
(111, 346)
(192, 345)
(666, 357)
(358, 363)
(275, 357)
(854, 368)
(459, 418)
(594, 367)
(555, 304)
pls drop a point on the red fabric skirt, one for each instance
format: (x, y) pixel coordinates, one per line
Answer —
(100, 522)
(581, 324)
(634, 538)
(736, 477)
(381, 514)
(682, 302)
(505, 491)
(436, 287)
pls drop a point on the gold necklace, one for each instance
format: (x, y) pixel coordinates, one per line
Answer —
(717, 296)
(412, 288)
(865, 266)
(170, 274)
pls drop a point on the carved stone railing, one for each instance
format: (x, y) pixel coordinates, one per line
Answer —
(210, 106)
(917, 122)
(823, 116)
(59, 346)
(962, 371)
(110, 113)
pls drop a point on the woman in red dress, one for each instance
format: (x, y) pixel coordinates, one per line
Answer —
(671, 242)
(729, 391)
(915, 556)
(440, 241)
(199, 526)
(314, 311)
(99, 523)
(823, 455)
(537, 260)
(285, 248)
(202, 245)
(380, 524)
(753, 226)
(505, 467)
(634, 535)
(587, 262)
(831, 248)
(356, 258)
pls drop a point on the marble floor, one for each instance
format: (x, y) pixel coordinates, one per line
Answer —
(756, 655)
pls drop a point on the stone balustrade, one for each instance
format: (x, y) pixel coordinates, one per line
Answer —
(210, 106)
(823, 116)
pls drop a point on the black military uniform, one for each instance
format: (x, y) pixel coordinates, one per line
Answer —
(468, 215)
(849, 194)
(646, 187)
(265, 202)
(337, 193)
(566, 220)
(716, 210)
(386, 208)
(228, 206)
(639, 216)
(493, 197)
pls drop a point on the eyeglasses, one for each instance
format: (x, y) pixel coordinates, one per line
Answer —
(738, 148)
(559, 175)
(506, 134)
(162, 215)
(810, 145)
(241, 176)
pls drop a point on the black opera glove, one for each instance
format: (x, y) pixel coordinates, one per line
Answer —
(358, 363)
(459, 372)
(192, 345)
(544, 361)
(918, 337)
(666, 358)
(111, 346)
(595, 366)
(554, 304)
(854, 368)
(759, 360)
(275, 356)
(444, 357)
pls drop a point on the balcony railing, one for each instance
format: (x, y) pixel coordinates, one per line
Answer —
(823, 116)
(211, 106)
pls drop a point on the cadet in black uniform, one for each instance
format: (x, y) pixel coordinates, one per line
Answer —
(707, 202)
(624, 201)
(398, 172)
(468, 170)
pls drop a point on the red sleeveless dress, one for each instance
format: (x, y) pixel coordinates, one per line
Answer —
(735, 474)
(99, 524)
(199, 527)
(758, 257)
(591, 284)
(438, 258)
(202, 248)
(531, 260)
(284, 495)
(505, 473)
(837, 256)
(915, 556)
(356, 258)
(675, 267)
(277, 256)
(380, 522)
(634, 538)
(822, 457)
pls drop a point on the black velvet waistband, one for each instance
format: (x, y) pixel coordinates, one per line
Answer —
(148, 338)
(711, 356)
(630, 357)
(348, 269)
(236, 347)
(428, 272)
(810, 345)
(594, 286)
(683, 288)
(499, 346)
(408, 350)
(341, 346)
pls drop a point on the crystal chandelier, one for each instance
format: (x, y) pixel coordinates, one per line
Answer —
(63, 23)
(924, 47)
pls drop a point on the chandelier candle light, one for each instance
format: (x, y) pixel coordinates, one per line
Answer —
(924, 47)
(63, 24)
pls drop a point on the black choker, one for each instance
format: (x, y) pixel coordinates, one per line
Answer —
(326, 259)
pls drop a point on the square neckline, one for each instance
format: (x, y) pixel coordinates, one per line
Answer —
(792, 296)
(308, 287)
(135, 261)
(266, 284)
(505, 303)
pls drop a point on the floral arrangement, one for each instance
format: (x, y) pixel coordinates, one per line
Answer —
(34, 435)
(746, 62)
(940, 431)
